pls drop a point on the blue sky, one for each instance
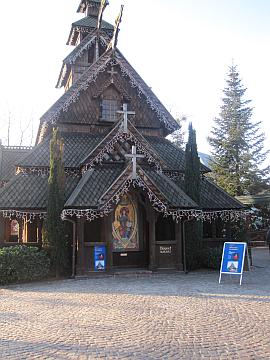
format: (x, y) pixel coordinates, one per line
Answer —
(182, 49)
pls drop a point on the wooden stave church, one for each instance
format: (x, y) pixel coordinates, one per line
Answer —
(99, 131)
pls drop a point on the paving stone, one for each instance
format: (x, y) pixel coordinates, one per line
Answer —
(163, 316)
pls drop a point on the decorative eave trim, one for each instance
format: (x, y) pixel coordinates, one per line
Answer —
(27, 215)
(86, 45)
(45, 171)
(142, 88)
(74, 32)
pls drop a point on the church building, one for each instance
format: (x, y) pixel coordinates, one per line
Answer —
(125, 200)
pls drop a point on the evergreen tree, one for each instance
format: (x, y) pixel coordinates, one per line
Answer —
(237, 143)
(193, 190)
(192, 170)
(54, 225)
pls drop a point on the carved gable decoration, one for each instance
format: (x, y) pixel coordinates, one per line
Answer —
(108, 88)
(117, 144)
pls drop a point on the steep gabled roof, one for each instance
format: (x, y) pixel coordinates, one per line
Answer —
(90, 76)
(117, 138)
(76, 53)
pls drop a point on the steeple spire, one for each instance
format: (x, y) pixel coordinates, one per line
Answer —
(90, 7)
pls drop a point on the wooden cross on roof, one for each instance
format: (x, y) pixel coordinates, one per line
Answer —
(112, 73)
(125, 112)
(134, 156)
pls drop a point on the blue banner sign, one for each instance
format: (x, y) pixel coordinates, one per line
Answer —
(233, 259)
(100, 258)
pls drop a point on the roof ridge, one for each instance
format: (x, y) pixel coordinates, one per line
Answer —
(80, 185)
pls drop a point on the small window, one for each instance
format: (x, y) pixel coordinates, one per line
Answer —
(14, 231)
(109, 109)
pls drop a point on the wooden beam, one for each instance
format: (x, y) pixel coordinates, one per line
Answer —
(152, 239)
(179, 247)
(80, 242)
(108, 239)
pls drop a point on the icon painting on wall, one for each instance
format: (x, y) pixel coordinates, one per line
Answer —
(124, 227)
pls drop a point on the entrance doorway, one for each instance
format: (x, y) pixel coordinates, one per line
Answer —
(139, 256)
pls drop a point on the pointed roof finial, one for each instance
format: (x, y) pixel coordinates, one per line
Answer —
(118, 20)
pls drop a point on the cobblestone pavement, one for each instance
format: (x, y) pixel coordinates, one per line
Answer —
(162, 316)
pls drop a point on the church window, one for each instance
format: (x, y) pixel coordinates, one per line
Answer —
(109, 109)
(110, 104)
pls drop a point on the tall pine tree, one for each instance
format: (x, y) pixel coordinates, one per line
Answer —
(56, 241)
(238, 144)
(193, 190)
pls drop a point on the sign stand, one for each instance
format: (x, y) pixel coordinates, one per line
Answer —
(233, 258)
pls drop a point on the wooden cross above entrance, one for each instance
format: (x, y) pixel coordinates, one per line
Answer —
(125, 112)
(134, 156)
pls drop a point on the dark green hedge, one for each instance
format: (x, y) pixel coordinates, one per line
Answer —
(22, 263)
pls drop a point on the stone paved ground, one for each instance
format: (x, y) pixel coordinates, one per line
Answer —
(153, 317)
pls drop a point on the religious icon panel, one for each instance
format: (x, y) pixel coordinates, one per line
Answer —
(124, 227)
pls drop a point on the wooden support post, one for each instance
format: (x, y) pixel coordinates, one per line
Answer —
(39, 232)
(21, 225)
(214, 229)
(80, 242)
(108, 240)
(179, 247)
(152, 240)
(2, 229)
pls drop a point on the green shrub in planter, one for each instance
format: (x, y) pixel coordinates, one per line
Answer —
(211, 257)
(22, 263)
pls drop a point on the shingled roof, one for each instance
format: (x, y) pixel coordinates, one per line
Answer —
(76, 147)
(9, 156)
(175, 196)
(87, 24)
(33, 192)
(213, 197)
(92, 186)
(172, 155)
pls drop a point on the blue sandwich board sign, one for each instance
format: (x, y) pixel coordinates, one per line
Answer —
(100, 258)
(233, 258)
